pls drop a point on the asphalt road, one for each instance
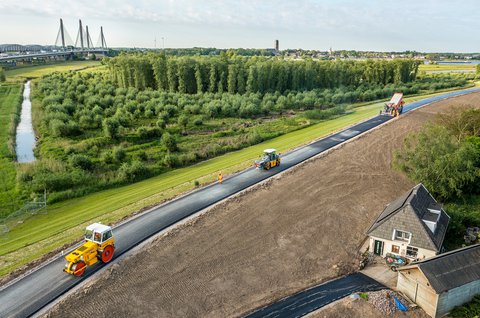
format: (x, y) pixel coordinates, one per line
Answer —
(311, 299)
(34, 291)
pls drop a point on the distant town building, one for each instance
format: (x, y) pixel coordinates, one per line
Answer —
(277, 46)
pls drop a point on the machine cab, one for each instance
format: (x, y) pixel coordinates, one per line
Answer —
(98, 233)
(270, 154)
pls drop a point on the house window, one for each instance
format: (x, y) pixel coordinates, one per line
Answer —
(395, 249)
(402, 236)
(412, 251)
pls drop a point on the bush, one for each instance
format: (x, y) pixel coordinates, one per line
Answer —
(319, 114)
(111, 127)
(2, 75)
(170, 160)
(198, 121)
(107, 157)
(468, 310)
(161, 124)
(81, 161)
(183, 121)
(446, 166)
(142, 155)
(169, 142)
(134, 171)
(119, 154)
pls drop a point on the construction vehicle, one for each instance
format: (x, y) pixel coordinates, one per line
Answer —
(395, 106)
(99, 246)
(269, 159)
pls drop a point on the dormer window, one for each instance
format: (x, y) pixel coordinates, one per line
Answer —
(401, 236)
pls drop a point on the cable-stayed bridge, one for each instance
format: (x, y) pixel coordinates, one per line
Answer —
(64, 47)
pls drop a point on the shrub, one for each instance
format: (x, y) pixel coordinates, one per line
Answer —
(111, 127)
(142, 155)
(132, 171)
(170, 160)
(468, 310)
(169, 142)
(2, 75)
(107, 157)
(198, 121)
(183, 121)
(119, 154)
(161, 123)
(448, 167)
(81, 161)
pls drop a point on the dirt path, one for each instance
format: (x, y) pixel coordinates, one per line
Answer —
(292, 232)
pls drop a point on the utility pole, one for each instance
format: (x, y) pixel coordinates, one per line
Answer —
(62, 33)
(80, 30)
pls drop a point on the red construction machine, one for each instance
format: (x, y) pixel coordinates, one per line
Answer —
(395, 106)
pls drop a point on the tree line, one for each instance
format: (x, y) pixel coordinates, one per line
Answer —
(240, 75)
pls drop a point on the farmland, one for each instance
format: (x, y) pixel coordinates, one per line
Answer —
(22, 73)
(446, 67)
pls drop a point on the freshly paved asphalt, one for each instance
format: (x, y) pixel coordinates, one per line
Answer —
(28, 295)
(311, 299)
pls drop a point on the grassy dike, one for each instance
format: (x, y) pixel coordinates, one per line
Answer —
(66, 220)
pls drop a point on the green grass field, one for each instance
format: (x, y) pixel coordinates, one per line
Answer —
(22, 73)
(443, 67)
(66, 220)
(9, 101)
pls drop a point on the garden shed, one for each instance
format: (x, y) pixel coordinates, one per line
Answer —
(440, 283)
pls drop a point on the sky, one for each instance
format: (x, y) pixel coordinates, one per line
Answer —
(369, 25)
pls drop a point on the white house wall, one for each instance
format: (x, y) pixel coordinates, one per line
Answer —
(387, 248)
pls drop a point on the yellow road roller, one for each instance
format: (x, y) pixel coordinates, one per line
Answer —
(99, 246)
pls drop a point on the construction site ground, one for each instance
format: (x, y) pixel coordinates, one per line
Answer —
(277, 238)
(348, 307)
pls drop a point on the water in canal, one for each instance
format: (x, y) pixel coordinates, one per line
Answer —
(25, 142)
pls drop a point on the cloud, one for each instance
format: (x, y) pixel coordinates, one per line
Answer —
(374, 23)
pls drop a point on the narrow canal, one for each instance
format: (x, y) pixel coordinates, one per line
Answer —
(25, 140)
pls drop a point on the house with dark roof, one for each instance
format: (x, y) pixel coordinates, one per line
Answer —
(412, 226)
(440, 283)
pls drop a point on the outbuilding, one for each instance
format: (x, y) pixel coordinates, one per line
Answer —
(440, 283)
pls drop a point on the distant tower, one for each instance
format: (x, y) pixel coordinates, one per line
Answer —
(277, 46)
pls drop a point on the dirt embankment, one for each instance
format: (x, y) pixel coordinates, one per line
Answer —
(282, 236)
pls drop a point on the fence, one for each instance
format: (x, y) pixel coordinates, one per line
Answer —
(36, 206)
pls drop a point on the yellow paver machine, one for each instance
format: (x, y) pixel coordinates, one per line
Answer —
(99, 246)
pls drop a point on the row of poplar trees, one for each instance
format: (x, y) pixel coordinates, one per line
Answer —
(241, 75)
